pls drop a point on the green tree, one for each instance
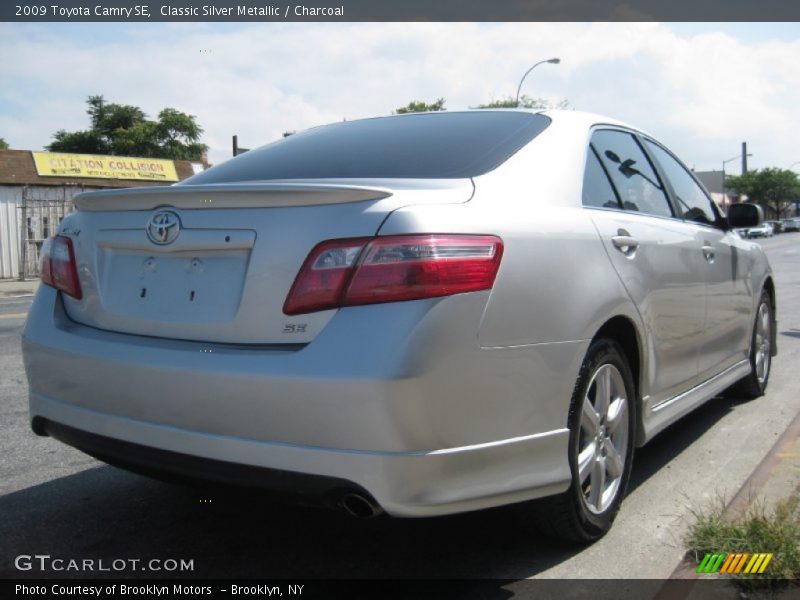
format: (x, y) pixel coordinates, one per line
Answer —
(82, 142)
(123, 129)
(416, 106)
(525, 101)
(178, 134)
(3, 144)
(774, 189)
(108, 118)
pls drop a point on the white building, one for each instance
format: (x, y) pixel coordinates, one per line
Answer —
(36, 191)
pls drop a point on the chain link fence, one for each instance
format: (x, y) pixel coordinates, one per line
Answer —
(41, 212)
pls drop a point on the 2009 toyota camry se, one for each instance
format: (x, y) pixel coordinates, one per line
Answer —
(419, 314)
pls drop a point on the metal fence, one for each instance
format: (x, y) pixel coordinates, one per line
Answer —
(40, 213)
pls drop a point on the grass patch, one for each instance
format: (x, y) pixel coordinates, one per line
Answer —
(777, 532)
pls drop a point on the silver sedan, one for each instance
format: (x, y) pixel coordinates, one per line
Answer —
(418, 315)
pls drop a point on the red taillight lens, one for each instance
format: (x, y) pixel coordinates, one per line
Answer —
(392, 269)
(423, 266)
(57, 266)
(323, 276)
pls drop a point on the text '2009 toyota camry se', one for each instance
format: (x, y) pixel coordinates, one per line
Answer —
(419, 315)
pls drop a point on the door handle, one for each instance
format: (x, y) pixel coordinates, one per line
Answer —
(708, 252)
(625, 244)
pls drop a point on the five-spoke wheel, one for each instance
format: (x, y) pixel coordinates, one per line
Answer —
(761, 351)
(603, 438)
(602, 421)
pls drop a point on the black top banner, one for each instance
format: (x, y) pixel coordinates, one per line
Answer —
(399, 10)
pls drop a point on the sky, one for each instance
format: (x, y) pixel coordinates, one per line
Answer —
(700, 88)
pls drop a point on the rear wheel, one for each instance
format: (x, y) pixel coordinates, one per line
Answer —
(602, 426)
(753, 385)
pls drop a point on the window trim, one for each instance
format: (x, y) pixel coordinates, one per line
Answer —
(593, 151)
(664, 189)
(719, 222)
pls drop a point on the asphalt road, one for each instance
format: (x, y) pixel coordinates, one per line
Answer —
(54, 500)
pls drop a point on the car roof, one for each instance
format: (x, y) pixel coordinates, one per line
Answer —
(576, 118)
(588, 119)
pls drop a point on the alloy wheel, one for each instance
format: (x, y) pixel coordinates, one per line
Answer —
(762, 343)
(603, 438)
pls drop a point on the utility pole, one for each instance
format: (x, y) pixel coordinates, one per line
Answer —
(237, 149)
(744, 157)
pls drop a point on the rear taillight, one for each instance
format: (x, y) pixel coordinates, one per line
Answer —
(393, 268)
(323, 276)
(57, 266)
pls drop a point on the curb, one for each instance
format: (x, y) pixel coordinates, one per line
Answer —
(747, 493)
(13, 288)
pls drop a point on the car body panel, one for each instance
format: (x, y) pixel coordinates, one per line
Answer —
(228, 273)
(664, 278)
(731, 288)
(316, 410)
(420, 383)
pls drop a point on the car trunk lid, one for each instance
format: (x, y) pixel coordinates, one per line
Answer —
(214, 263)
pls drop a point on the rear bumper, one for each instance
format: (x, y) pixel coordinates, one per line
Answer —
(403, 484)
(185, 468)
(422, 430)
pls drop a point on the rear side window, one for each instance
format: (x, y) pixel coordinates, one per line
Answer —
(597, 190)
(692, 201)
(631, 173)
(427, 145)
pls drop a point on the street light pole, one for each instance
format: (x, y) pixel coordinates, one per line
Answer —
(744, 157)
(553, 61)
(725, 162)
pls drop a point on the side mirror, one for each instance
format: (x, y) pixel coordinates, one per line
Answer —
(745, 215)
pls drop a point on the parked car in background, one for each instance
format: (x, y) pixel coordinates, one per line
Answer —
(777, 226)
(791, 225)
(764, 230)
(420, 315)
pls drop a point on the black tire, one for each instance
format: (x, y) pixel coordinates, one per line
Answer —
(755, 383)
(578, 515)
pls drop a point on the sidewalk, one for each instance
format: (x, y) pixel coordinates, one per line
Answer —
(10, 288)
(775, 479)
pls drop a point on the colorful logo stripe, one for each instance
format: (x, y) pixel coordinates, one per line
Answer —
(734, 563)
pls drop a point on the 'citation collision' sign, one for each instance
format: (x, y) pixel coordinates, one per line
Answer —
(57, 164)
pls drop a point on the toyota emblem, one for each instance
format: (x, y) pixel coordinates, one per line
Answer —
(163, 227)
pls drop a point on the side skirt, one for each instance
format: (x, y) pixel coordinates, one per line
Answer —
(657, 418)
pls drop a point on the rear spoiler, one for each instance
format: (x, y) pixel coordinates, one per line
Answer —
(227, 195)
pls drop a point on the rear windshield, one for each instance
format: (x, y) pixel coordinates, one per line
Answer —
(427, 145)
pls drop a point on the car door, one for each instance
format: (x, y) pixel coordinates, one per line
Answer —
(728, 300)
(657, 257)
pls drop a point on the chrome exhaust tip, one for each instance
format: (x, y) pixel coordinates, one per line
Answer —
(360, 506)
